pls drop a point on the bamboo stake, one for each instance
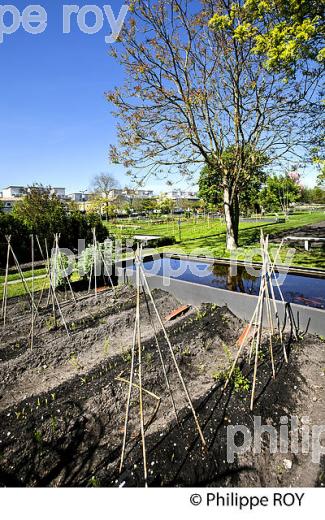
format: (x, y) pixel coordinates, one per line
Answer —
(258, 340)
(95, 259)
(90, 276)
(127, 413)
(67, 278)
(49, 272)
(161, 358)
(258, 313)
(173, 357)
(240, 347)
(107, 271)
(32, 327)
(138, 261)
(47, 278)
(268, 310)
(272, 271)
(43, 286)
(122, 380)
(21, 274)
(5, 287)
(55, 301)
(271, 332)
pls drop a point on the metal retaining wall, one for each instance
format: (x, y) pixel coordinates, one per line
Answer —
(242, 305)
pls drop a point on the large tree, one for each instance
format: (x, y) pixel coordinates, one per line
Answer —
(288, 33)
(191, 92)
(289, 36)
(249, 184)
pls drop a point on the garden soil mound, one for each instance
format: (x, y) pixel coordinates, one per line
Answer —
(62, 403)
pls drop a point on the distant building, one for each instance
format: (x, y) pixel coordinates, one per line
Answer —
(116, 193)
(19, 191)
(13, 191)
(144, 194)
(182, 195)
(7, 203)
(128, 194)
(12, 194)
(78, 196)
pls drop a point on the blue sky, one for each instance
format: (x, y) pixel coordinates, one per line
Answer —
(55, 123)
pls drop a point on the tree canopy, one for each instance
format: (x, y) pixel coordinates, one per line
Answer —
(43, 214)
(210, 180)
(279, 193)
(102, 200)
(192, 92)
(286, 32)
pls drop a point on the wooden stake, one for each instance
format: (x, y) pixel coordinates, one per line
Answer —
(173, 357)
(258, 341)
(32, 326)
(5, 287)
(161, 358)
(21, 275)
(95, 259)
(138, 261)
(127, 412)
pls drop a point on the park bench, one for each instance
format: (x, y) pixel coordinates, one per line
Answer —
(306, 240)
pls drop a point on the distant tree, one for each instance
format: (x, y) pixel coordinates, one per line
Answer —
(187, 204)
(42, 212)
(144, 204)
(279, 193)
(166, 205)
(321, 175)
(314, 195)
(101, 193)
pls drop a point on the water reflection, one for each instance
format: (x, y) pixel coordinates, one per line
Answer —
(304, 290)
(236, 278)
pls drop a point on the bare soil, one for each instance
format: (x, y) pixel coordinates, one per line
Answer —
(62, 404)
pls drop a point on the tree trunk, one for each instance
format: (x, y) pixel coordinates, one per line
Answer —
(235, 207)
(231, 210)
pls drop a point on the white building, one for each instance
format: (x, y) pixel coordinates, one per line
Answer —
(182, 195)
(12, 192)
(7, 204)
(128, 193)
(144, 194)
(78, 196)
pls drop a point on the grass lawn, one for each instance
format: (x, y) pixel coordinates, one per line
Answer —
(17, 289)
(27, 274)
(208, 238)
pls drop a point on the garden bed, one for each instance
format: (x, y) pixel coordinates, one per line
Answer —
(62, 404)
